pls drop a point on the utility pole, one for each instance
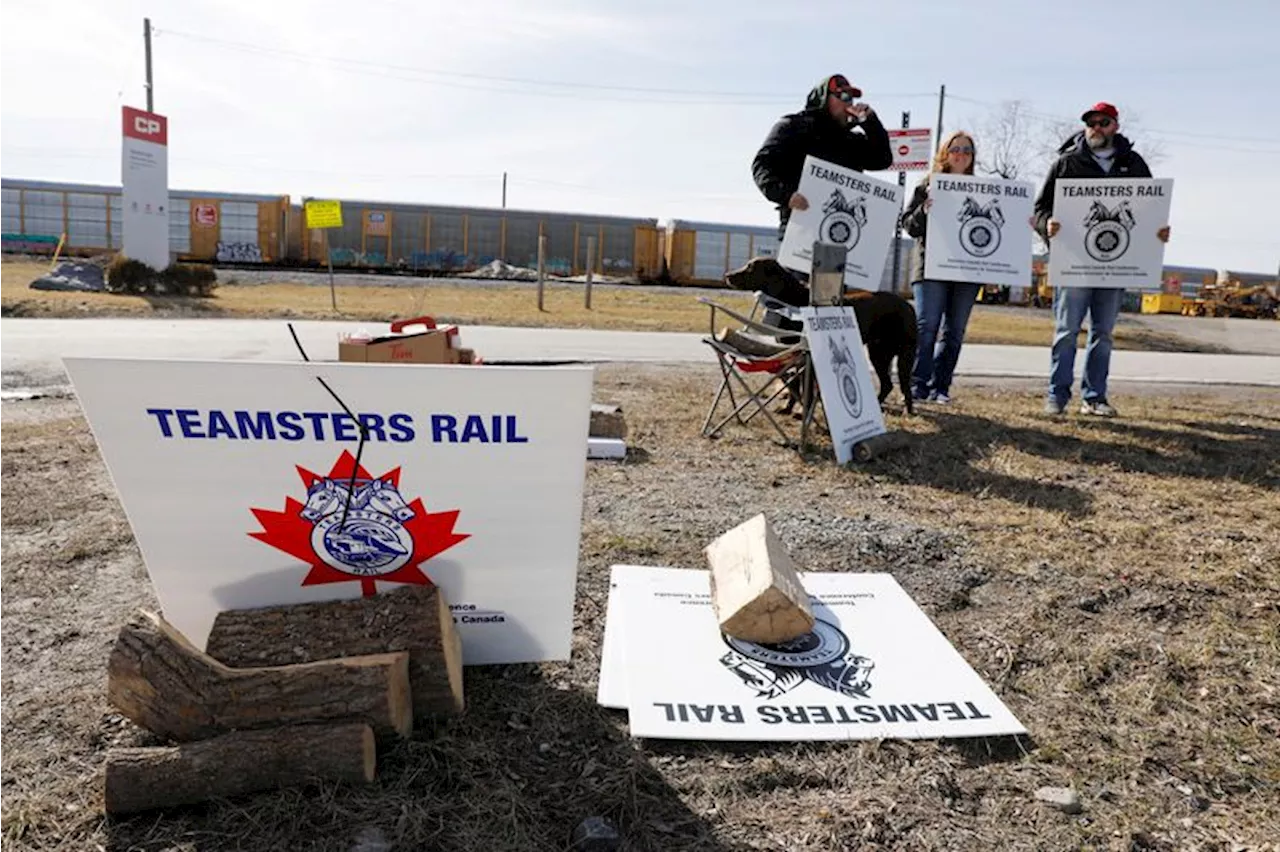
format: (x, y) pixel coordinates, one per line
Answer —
(146, 39)
(504, 190)
(942, 97)
(897, 227)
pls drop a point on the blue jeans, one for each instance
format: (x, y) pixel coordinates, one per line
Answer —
(1070, 304)
(945, 306)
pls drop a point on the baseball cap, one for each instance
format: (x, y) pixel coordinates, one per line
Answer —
(1101, 108)
(840, 83)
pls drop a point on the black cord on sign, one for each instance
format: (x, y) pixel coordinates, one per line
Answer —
(298, 343)
(364, 432)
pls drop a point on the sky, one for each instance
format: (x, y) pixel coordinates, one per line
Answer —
(651, 109)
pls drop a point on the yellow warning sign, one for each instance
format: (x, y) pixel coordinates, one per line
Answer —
(324, 214)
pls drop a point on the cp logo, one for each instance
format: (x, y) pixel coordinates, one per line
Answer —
(146, 126)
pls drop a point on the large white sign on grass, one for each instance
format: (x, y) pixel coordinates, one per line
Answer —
(874, 667)
(1108, 232)
(241, 483)
(846, 208)
(979, 230)
(844, 378)
(144, 176)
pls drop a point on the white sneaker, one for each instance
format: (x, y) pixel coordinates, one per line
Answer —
(1098, 408)
(940, 398)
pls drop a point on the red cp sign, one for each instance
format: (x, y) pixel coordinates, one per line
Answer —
(146, 126)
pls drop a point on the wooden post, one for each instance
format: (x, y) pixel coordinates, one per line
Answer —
(591, 266)
(755, 590)
(542, 267)
(141, 779)
(328, 256)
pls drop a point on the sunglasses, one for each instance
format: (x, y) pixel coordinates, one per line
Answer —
(847, 97)
(1098, 122)
(960, 149)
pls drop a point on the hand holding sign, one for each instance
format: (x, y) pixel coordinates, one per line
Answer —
(798, 202)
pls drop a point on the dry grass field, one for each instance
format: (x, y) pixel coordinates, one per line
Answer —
(1116, 582)
(629, 308)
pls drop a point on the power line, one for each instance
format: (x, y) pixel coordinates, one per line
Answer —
(531, 86)
(1178, 134)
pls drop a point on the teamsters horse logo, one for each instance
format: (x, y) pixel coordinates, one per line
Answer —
(844, 220)
(823, 656)
(980, 226)
(846, 378)
(1107, 235)
(353, 526)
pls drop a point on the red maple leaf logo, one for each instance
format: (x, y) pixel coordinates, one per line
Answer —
(386, 543)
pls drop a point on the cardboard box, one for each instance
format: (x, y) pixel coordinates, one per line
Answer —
(433, 345)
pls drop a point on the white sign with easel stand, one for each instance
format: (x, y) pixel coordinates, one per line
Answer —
(846, 208)
(247, 485)
(844, 377)
(1108, 232)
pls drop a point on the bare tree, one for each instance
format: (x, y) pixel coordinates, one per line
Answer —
(1007, 146)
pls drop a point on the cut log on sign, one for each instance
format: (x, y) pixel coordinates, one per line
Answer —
(159, 680)
(141, 779)
(415, 619)
(755, 590)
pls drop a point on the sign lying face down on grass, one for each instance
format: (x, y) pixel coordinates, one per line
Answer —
(1108, 232)
(847, 208)
(873, 667)
(242, 485)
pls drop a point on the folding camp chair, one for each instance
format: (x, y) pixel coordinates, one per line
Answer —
(761, 358)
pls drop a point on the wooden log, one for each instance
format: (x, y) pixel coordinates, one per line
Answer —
(607, 422)
(159, 680)
(755, 590)
(878, 445)
(142, 779)
(414, 619)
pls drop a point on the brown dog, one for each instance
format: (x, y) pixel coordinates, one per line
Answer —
(887, 321)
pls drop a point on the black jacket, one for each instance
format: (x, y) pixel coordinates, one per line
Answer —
(780, 160)
(915, 221)
(1077, 162)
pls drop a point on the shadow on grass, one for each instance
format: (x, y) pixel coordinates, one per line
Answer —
(530, 759)
(1202, 450)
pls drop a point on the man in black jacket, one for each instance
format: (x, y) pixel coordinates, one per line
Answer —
(1098, 151)
(834, 127)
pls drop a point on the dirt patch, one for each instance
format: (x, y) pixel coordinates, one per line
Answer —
(363, 297)
(1114, 581)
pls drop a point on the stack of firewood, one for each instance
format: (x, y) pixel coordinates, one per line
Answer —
(281, 695)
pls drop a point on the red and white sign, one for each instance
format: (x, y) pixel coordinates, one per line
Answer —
(912, 149)
(144, 180)
(146, 126)
(204, 215)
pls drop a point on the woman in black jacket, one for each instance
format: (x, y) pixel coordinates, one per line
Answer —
(942, 307)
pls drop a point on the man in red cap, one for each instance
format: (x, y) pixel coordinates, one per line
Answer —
(834, 126)
(1100, 151)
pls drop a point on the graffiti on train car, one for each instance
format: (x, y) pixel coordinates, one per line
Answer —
(351, 257)
(439, 260)
(616, 263)
(238, 253)
(28, 243)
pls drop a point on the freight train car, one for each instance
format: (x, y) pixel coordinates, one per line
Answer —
(702, 252)
(203, 226)
(436, 239)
